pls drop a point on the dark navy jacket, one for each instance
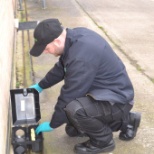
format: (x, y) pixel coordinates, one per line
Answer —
(88, 66)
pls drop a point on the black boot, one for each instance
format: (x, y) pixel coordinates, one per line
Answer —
(73, 132)
(88, 148)
(134, 122)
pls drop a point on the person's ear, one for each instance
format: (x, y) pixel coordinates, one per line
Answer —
(57, 42)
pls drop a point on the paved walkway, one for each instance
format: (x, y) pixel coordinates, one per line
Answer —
(100, 16)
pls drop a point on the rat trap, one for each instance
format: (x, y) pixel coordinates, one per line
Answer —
(25, 116)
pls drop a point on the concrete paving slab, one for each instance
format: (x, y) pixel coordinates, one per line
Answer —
(105, 14)
(131, 22)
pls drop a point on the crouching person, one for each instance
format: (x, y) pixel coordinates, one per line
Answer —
(97, 96)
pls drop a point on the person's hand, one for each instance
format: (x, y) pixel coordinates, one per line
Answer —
(43, 127)
(37, 87)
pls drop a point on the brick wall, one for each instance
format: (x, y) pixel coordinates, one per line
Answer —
(6, 50)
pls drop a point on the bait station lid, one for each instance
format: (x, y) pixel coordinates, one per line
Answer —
(25, 106)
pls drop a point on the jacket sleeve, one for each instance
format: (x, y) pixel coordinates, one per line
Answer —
(77, 81)
(55, 75)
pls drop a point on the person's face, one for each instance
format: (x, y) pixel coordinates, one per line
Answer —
(53, 48)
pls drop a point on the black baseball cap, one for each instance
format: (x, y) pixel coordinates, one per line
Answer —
(45, 32)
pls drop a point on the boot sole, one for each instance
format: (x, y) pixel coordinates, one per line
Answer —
(107, 149)
(137, 122)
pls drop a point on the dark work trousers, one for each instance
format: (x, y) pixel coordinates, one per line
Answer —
(98, 119)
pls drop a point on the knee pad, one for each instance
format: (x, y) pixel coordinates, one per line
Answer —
(71, 111)
(72, 108)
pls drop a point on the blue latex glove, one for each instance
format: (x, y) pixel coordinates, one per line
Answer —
(37, 87)
(43, 127)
